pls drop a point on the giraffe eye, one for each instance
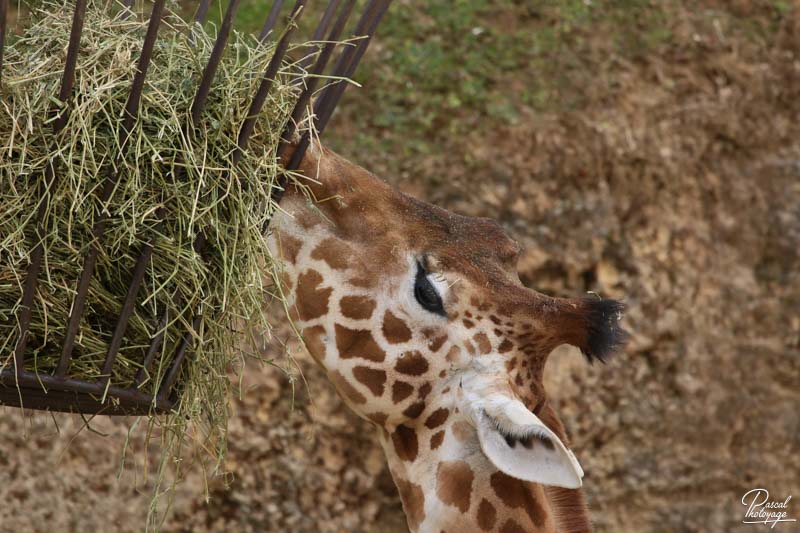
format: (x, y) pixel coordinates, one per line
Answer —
(426, 293)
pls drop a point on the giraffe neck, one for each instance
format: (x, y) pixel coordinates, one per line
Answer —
(447, 484)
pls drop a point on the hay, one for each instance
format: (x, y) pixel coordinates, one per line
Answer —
(231, 204)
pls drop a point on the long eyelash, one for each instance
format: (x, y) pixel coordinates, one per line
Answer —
(451, 283)
(440, 277)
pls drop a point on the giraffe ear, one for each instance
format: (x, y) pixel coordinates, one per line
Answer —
(519, 444)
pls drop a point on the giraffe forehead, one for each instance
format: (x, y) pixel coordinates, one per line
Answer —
(394, 222)
(477, 248)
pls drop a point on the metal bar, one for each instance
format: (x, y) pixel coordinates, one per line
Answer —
(68, 78)
(342, 64)
(177, 362)
(202, 11)
(345, 67)
(126, 311)
(337, 89)
(131, 113)
(272, 18)
(213, 61)
(31, 382)
(325, 20)
(35, 265)
(132, 105)
(311, 85)
(319, 32)
(155, 344)
(266, 83)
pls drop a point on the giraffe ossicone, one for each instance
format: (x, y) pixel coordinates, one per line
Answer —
(420, 321)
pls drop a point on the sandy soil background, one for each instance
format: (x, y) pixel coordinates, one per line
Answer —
(664, 170)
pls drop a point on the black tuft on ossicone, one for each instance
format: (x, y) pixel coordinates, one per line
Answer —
(604, 336)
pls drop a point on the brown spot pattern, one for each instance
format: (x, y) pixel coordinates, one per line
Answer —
(412, 364)
(511, 526)
(289, 247)
(487, 515)
(312, 337)
(394, 329)
(484, 346)
(436, 439)
(307, 220)
(505, 346)
(515, 493)
(437, 343)
(312, 301)
(358, 343)
(453, 354)
(357, 307)
(363, 282)
(414, 410)
(285, 281)
(378, 418)
(405, 443)
(462, 431)
(333, 252)
(437, 418)
(375, 380)
(346, 388)
(400, 391)
(424, 390)
(413, 502)
(454, 484)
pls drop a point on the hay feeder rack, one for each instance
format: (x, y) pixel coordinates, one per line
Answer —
(58, 391)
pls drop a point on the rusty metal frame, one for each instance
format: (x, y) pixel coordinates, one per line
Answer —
(60, 392)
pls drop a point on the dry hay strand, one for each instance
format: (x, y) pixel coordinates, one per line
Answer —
(192, 175)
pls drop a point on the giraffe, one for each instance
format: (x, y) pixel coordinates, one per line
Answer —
(419, 320)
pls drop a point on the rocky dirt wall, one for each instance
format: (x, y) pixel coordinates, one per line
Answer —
(674, 184)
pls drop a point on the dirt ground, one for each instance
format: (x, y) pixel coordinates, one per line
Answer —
(672, 180)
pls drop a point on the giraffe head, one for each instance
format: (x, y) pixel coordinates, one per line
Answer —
(419, 319)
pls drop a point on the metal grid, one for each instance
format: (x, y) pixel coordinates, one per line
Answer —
(60, 392)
